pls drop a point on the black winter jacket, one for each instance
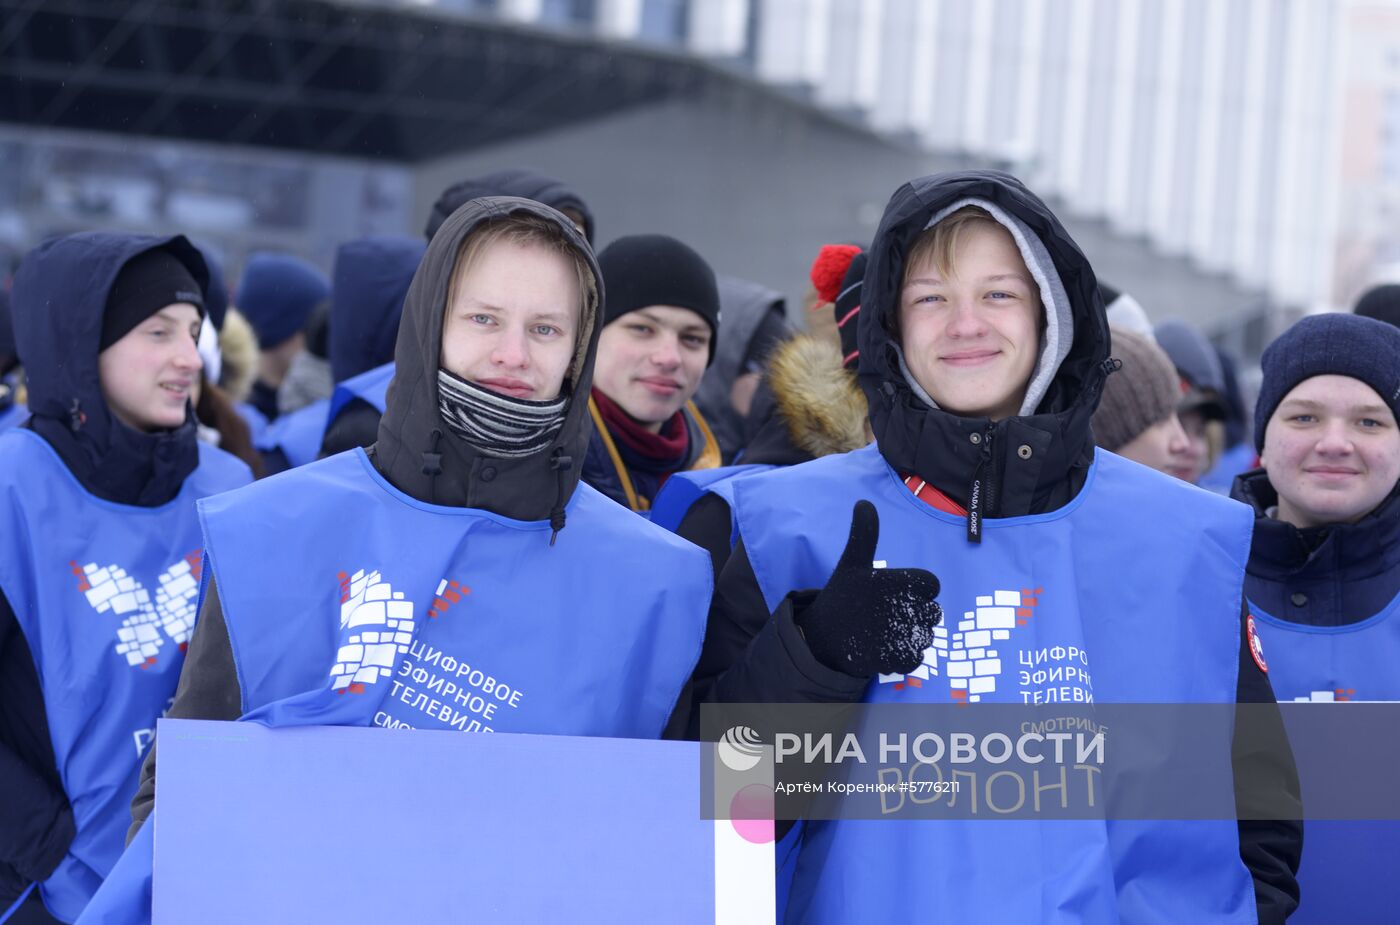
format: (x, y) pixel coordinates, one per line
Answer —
(1325, 576)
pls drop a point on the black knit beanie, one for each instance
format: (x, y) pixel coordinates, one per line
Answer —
(145, 284)
(1329, 345)
(1381, 303)
(652, 269)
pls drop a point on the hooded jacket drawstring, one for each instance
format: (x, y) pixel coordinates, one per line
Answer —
(432, 463)
(561, 464)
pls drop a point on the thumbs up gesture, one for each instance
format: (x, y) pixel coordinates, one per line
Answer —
(871, 620)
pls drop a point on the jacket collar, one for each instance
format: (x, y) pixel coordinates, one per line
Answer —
(1337, 552)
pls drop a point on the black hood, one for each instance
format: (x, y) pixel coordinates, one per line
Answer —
(59, 296)
(1026, 464)
(520, 182)
(418, 452)
(371, 278)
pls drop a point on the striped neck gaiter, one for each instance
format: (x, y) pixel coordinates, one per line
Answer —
(498, 425)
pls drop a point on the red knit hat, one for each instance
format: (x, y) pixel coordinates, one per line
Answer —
(837, 274)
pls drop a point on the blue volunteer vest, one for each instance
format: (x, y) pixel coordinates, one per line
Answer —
(477, 623)
(255, 419)
(683, 489)
(1029, 619)
(297, 434)
(396, 613)
(105, 595)
(1347, 872)
(1234, 461)
(1332, 663)
(371, 386)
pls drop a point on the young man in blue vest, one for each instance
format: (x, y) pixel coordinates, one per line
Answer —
(983, 351)
(456, 575)
(100, 560)
(1324, 566)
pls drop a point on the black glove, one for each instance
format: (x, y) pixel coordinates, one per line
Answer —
(871, 620)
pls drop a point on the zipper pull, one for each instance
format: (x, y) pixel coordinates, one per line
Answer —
(981, 486)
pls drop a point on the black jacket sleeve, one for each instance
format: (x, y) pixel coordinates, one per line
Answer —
(753, 656)
(357, 424)
(208, 689)
(709, 525)
(36, 822)
(1263, 764)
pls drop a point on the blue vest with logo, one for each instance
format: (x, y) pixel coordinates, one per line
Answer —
(479, 624)
(683, 489)
(371, 386)
(1348, 868)
(106, 596)
(1031, 594)
(297, 434)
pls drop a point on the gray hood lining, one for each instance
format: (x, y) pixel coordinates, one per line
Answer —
(1059, 320)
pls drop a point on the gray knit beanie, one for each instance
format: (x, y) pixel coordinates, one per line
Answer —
(1144, 391)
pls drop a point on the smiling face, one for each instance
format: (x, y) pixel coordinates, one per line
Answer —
(971, 331)
(1332, 451)
(149, 375)
(512, 320)
(650, 361)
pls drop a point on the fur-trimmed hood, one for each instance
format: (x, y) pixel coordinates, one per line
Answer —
(807, 406)
(238, 350)
(818, 399)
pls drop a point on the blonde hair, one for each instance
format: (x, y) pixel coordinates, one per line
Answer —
(526, 229)
(940, 243)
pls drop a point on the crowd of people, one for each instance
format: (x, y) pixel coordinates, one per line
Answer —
(205, 503)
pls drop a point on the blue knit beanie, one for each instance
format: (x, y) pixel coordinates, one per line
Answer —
(277, 294)
(1329, 345)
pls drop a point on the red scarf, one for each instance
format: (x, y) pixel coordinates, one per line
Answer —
(668, 446)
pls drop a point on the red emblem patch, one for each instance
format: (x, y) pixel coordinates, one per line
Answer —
(1256, 645)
